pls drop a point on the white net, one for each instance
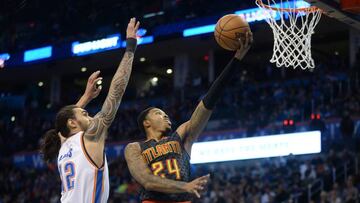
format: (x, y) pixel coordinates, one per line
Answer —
(293, 23)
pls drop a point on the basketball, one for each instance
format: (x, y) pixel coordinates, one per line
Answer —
(229, 29)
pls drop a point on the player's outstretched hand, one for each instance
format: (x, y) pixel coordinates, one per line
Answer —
(93, 86)
(245, 45)
(196, 186)
(132, 28)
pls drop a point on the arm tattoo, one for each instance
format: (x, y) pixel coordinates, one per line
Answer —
(142, 174)
(196, 125)
(105, 117)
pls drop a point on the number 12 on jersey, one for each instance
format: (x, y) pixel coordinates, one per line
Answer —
(171, 165)
(69, 182)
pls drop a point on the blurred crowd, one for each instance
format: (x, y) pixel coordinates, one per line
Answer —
(283, 180)
(257, 98)
(273, 180)
(34, 23)
(247, 104)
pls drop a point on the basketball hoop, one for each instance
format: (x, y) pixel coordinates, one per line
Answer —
(293, 23)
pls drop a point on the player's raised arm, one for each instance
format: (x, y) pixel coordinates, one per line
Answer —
(190, 130)
(92, 90)
(104, 118)
(142, 174)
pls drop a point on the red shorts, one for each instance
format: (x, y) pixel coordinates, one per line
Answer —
(155, 201)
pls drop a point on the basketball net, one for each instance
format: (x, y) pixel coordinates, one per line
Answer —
(292, 23)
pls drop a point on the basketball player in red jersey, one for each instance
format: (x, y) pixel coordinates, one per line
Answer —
(166, 154)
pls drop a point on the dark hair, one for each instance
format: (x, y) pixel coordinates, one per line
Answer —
(142, 117)
(51, 142)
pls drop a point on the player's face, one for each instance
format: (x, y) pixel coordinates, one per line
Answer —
(159, 120)
(82, 118)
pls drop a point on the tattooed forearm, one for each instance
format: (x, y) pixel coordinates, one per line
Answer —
(117, 89)
(198, 120)
(142, 174)
(190, 130)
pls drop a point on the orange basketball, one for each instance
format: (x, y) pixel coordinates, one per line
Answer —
(229, 29)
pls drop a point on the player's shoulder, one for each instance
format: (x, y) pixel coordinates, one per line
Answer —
(182, 130)
(132, 146)
(132, 149)
(175, 135)
(73, 138)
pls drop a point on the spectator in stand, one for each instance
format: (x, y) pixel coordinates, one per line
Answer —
(232, 182)
(335, 194)
(323, 197)
(351, 193)
(267, 196)
(347, 129)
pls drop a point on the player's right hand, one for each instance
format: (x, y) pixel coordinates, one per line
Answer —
(93, 87)
(245, 45)
(132, 28)
(196, 186)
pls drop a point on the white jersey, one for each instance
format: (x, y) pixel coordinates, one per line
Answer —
(82, 181)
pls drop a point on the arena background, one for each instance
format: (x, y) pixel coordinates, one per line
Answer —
(48, 49)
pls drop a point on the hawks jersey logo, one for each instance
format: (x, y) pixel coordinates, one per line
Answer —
(152, 153)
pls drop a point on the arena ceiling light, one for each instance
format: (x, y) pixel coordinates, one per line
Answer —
(150, 15)
(169, 71)
(38, 54)
(5, 56)
(154, 81)
(2, 63)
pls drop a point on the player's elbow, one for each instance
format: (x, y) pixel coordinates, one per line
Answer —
(148, 184)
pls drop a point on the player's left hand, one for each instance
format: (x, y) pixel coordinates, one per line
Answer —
(93, 86)
(196, 186)
(132, 28)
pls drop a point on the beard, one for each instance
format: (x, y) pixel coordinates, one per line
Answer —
(84, 125)
(167, 132)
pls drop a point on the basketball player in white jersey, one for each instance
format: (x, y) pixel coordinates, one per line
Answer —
(78, 140)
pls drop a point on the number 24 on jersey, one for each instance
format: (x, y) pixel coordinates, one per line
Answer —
(171, 165)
